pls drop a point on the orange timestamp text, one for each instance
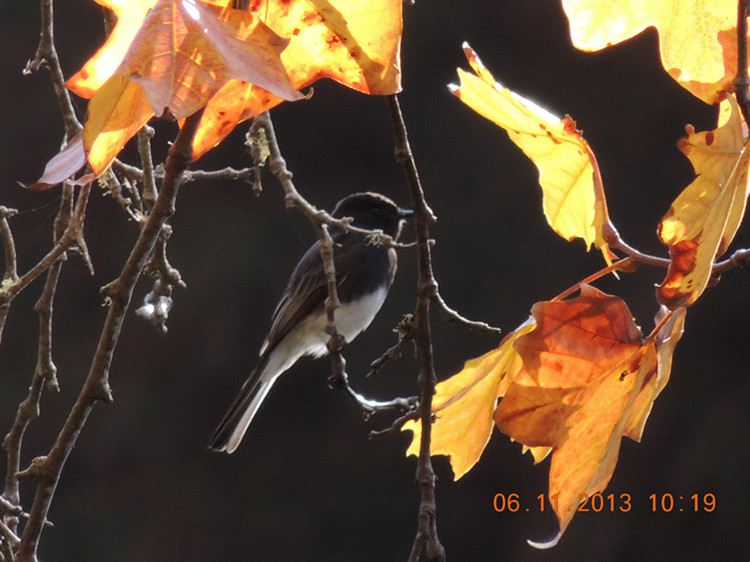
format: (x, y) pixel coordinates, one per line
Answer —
(612, 503)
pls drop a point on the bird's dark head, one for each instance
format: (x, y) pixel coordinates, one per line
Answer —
(373, 212)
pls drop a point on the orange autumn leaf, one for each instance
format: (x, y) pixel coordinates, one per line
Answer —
(697, 39)
(354, 42)
(179, 53)
(704, 218)
(588, 378)
(185, 51)
(574, 201)
(182, 51)
(116, 113)
(189, 52)
(666, 339)
(463, 405)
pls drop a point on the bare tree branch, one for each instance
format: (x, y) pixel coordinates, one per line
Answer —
(70, 238)
(46, 55)
(10, 277)
(147, 167)
(427, 537)
(45, 371)
(451, 316)
(47, 469)
(227, 173)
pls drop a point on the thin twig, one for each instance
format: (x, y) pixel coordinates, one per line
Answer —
(426, 537)
(47, 469)
(449, 315)
(9, 247)
(405, 331)
(739, 258)
(278, 167)
(227, 173)
(45, 371)
(10, 276)
(336, 340)
(147, 167)
(645, 259)
(70, 238)
(46, 55)
(396, 426)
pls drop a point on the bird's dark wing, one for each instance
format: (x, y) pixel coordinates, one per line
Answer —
(360, 269)
(305, 292)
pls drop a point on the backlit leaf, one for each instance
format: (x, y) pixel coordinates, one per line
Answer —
(588, 378)
(355, 42)
(186, 53)
(64, 165)
(697, 38)
(704, 218)
(115, 113)
(464, 403)
(574, 201)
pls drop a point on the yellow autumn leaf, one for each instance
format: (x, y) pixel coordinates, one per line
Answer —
(354, 42)
(697, 39)
(704, 218)
(655, 381)
(116, 112)
(574, 201)
(463, 405)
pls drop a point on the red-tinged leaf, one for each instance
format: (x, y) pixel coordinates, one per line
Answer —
(588, 378)
(63, 166)
(185, 51)
(236, 102)
(354, 42)
(704, 218)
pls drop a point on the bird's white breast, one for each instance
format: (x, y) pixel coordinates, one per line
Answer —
(309, 337)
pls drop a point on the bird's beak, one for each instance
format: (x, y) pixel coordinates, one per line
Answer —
(405, 213)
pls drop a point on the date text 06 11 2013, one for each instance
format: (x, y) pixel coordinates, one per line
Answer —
(610, 502)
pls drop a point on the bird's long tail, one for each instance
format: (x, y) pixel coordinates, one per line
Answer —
(233, 426)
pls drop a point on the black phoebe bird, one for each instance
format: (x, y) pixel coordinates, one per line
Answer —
(364, 273)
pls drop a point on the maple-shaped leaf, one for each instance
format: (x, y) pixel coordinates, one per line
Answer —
(180, 52)
(185, 51)
(463, 405)
(697, 39)
(574, 201)
(704, 218)
(188, 52)
(588, 378)
(355, 42)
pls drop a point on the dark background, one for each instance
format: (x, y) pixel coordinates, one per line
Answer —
(307, 484)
